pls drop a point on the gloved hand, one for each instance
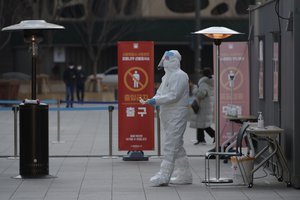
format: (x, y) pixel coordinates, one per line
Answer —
(151, 101)
(142, 101)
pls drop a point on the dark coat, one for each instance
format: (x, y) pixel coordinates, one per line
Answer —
(69, 76)
(80, 77)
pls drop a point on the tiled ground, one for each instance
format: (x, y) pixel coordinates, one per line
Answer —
(83, 171)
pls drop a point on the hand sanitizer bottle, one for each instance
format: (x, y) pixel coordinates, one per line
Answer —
(260, 120)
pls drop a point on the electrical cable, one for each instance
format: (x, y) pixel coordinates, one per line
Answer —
(277, 11)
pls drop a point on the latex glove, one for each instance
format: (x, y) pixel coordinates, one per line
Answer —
(151, 101)
(142, 101)
(148, 101)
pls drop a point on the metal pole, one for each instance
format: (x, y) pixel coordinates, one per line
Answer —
(217, 134)
(231, 105)
(15, 109)
(33, 73)
(110, 110)
(197, 47)
(58, 124)
(58, 120)
(158, 132)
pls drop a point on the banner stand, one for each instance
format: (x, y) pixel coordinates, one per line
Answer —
(135, 82)
(135, 156)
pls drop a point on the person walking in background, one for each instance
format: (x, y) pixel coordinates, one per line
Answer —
(172, 97)
(80, 82)
(204, 94)
(69, 78)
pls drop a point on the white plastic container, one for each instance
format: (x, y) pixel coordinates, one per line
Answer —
(260, 120)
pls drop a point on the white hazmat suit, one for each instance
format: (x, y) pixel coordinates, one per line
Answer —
(172, 97)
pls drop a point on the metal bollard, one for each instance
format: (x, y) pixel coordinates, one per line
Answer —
(15, 109)
(158, 132)
(58, 124)
(110, 110)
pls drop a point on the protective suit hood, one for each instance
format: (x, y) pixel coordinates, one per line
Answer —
(170, 61)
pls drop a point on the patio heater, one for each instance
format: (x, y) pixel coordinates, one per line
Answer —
(34, 126)
(217, 34)
(33, 34)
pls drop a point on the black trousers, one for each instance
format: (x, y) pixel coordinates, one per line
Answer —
(80, 92)
(200, 133)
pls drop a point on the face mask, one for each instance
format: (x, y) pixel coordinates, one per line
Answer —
(169, 63)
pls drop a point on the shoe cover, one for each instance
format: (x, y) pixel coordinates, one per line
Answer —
(162, 178)
(182, 173)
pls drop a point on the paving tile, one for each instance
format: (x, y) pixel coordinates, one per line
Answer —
(84, 171)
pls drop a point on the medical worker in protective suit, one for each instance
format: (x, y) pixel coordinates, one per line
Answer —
(172, 97)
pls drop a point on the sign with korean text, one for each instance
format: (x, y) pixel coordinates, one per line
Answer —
(234, 85)
(135, 80)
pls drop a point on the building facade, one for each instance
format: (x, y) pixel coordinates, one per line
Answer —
(274, 70)
(168, 23)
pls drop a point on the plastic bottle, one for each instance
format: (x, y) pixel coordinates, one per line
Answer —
(260, 120)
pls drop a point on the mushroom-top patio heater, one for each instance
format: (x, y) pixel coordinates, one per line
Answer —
(34, 128)
(217, 34)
